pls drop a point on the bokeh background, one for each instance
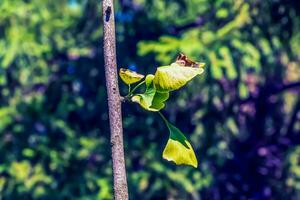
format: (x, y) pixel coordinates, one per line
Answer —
(242, 116)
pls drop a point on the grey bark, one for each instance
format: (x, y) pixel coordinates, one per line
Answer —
(114, 102)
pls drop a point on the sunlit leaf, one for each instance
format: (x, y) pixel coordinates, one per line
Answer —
(243, 90)
(151, 99)
(149, 79)
(215, 69)
(145, 99)
(178, 148)
(130, 77)
(227, 63)
(158, 100)
(173, 77)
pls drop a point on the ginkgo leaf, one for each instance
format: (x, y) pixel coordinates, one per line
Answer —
(149, 79)
(130, 77)
(173, 77)
(158, 101)
(151, 99)
(145, 99)
(151, 103)
(178, 148)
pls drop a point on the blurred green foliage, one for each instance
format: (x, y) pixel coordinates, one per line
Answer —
(243, 116)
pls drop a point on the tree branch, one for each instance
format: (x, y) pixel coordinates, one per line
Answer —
(273, 91)
(282, 88)
(114, 102)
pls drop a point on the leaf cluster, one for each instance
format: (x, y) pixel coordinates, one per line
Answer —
(158, 86)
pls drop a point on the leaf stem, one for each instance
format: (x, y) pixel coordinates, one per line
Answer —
(129, 88)
(136, 87)
(163, 117)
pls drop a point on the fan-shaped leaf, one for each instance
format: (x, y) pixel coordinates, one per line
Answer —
(173, 77)
(130, 77)
(151, 99)
(158, 101)
(178, 148)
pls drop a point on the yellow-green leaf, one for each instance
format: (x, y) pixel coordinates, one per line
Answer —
(178, 153)
(130, 77)
(173, 77)
(149, 79)
(145, 100)
(158, 101)
(178, 148)
(151, 99)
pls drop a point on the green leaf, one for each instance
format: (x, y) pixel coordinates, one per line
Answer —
(173, 77)
(243, 90)
(130, 77)
(228, 63)
(149, 79)
(151, 100)
(215, 68)
(158, 100)
(145, 100)
(178, 148)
